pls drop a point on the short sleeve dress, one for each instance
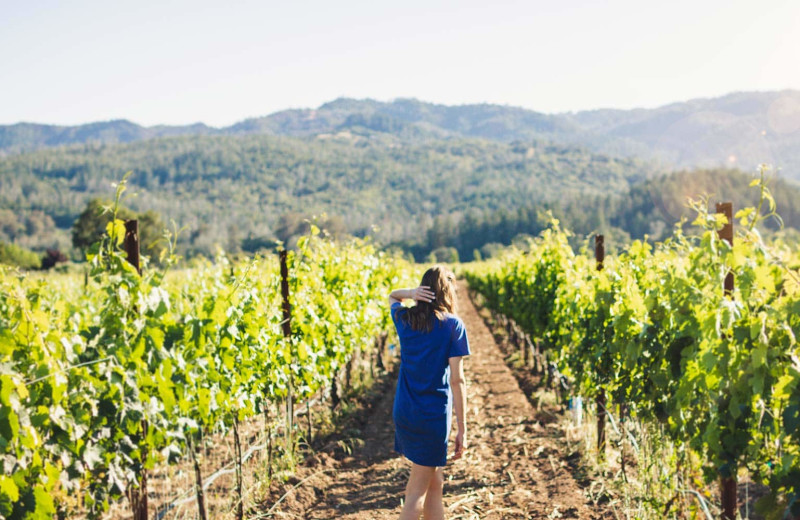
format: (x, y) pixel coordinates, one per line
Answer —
(423, 401)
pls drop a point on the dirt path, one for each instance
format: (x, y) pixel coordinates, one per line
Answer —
(514, 467)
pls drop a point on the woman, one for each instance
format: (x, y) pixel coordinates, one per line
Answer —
(430, 384)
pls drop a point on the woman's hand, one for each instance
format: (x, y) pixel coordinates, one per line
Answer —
(461, 443)
(422, 293)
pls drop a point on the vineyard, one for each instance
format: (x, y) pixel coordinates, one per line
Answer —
(692, 341)
(686, 349)
(104, 380)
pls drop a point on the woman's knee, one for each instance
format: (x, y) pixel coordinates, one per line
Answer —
(420, 479)
(437, 479)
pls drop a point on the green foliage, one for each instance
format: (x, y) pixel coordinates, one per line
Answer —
(99, 384)
(91, 225)
(653, 207)
(216, 185)
(649, 209)
(447, 255)
(417, 194)
(14, 255)
(655, 330)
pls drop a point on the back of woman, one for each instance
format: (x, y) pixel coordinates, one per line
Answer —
(430, 386)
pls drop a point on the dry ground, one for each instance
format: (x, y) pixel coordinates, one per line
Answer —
(516, 465)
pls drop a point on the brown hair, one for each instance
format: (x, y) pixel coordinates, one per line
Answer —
(442, 283)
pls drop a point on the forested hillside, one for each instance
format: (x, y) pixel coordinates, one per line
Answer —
(452, 196)
(233, 191)
(648, 209)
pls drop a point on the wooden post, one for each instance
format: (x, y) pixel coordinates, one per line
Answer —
(599, 250)
(335, 399)
(726, 234)
(379, 348)
(287, 307)
(600, 256)
(198, 481)
(523, 345)
(727, 485)
(310, 418)
(237, 443)
(287, 333)
(533, 345)
(136, 495)
(131, 243)
(727, 491)
(268, 427)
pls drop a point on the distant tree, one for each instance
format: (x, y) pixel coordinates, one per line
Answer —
(90, 227)
(290, 225)
(151, 234)
(234, 241)
(38, 222)
(522, 241)
(447, 255)
(333, 226)
(91, 223)
(293, 224)
(253, 244)
(14, 255)
(53, 257)
(441, 233)
(14, 225)
(491, 249)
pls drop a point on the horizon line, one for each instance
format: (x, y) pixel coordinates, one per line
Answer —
(396, 99)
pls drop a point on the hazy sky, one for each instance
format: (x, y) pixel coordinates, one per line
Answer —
(177, 62)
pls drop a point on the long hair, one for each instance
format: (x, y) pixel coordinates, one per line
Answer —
(442, 282)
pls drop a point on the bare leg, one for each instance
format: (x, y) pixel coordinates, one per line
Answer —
(434, 507)
(418, 482)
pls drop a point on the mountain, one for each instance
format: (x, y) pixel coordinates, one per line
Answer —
(493, 122)
(737, 130)
(22, 137)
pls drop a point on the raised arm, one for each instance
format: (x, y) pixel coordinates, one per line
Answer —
(459, 386)
(421, 293)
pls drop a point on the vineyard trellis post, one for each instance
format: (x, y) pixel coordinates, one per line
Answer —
(726, 234)
(287, 333)
(237, 444)
(136, 495)
(131, 243)
(728, 484)
(600, 256)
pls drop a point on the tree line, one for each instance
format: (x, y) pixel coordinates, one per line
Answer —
(445, 199)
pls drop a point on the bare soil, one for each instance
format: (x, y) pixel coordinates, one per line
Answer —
(517, 464)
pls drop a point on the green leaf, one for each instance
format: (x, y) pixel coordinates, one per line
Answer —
(115, 229)
(9, 424)
(45, 508)
(759, 355)
(156, 336)
(9, 488)
(302, 352)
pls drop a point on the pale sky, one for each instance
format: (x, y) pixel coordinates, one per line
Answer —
(180, 61)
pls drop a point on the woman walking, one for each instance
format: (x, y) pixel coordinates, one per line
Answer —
(430, 385)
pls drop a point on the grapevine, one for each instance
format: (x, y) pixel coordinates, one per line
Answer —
(655, 330)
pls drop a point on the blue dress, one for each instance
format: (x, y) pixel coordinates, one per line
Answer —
(423, 401)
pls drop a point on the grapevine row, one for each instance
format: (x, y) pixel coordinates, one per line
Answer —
(98, 384)
(655, 330)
